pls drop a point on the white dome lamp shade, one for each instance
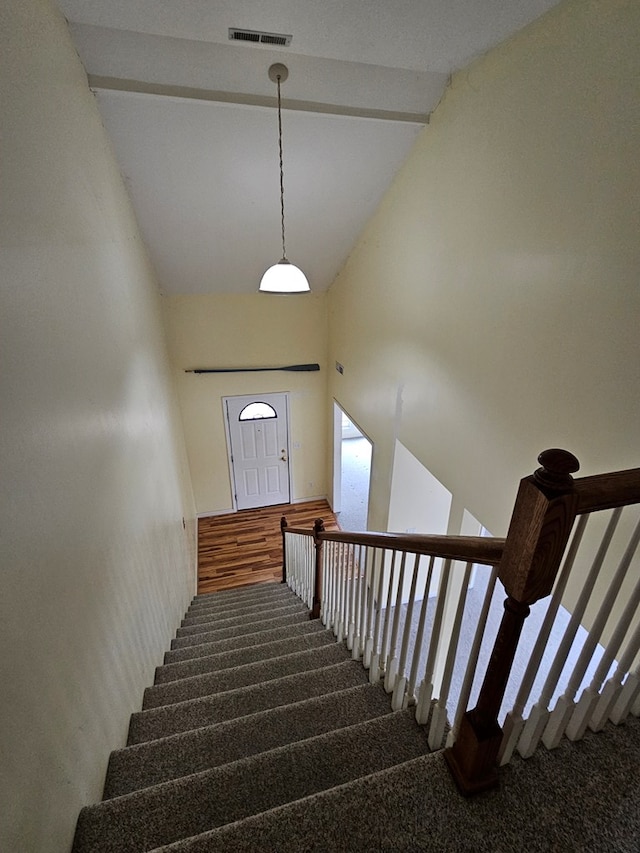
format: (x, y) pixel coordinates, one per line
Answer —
(283, 277)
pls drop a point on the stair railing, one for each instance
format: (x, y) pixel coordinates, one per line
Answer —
(376, 592)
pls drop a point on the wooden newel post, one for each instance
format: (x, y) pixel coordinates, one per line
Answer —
(283, 527)
(541, 523)
(318, 528)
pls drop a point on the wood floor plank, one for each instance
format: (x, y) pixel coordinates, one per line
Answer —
(245, 547)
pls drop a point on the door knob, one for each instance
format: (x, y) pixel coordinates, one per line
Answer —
(283, 458)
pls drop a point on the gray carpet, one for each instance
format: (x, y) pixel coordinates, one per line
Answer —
(296, 751)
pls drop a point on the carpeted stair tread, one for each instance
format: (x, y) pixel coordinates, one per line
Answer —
(241, 676)
(263, 587)
(280, 609)
(283, 594)
(193, 804)
(147, 764)
(195, 713)
(309, 626)
(241, 593)
(242, 608)
(238, 629)
(573, 798)
(239, 657)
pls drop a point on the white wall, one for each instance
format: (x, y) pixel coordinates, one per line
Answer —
(96, 566)
(257, 330)
(490, 309)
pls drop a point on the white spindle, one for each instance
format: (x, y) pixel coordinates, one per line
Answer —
(426, 685)
(364, 599)
(326, 562)
(417, 649)
(391, 670)
(625, 700)
(368, 646)
(514, 721)
(439, 715)
(358, 639)
(384, 650)
(351, 622)
(470, 671)
(339, 617)
(613, 688)
(374, 668)
(541, 724)
(585, 706)
(562, 714)
(398, 697)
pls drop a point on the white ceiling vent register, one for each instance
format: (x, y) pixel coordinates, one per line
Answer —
(257, 37)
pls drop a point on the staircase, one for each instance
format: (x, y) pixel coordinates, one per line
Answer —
(262, 734)
(255, 707)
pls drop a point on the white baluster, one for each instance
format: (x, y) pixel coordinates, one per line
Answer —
(541, 723)
(417, 648)
(364, 598)
(374, 668)
(426, 686)
(472, 664)
(391, 669)
(351, 623)
(587, 703)
(331, 582)
(338, 624)
(613, 688)
(358, 640)
(384, 649)
(561, 715)
(368, 645)
(399, 698)
(326, 557)
(439, 715)
(514, 721)
(624, 702)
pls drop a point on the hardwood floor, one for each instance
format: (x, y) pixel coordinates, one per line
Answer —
(246, 547)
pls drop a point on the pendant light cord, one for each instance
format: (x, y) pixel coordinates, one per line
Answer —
(284, 253)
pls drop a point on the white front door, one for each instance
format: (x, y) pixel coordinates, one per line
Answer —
(259, 449)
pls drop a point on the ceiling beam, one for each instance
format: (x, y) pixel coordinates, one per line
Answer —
(118, 84)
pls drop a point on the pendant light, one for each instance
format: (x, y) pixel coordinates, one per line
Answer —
(283, 277)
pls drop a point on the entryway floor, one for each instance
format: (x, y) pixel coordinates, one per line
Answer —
(245, 547)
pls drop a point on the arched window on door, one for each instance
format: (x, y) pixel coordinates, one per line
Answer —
(257, 411)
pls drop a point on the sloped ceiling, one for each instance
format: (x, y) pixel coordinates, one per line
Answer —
(193, 122)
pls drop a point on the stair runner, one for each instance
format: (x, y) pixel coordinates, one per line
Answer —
(256, 717)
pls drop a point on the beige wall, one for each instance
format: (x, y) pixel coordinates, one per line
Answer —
(257, 330)
(96, 568)
(491, 307)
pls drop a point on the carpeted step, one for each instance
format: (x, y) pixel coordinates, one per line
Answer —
(238, 591)
(182, 716)
(204, 634)
(310, 626)
(240, 657)
(239, 618)
(242, 676)
(277, 591)
(147, 764)
(238, 608)
(194, 804)
(573, 798)
(241, 625)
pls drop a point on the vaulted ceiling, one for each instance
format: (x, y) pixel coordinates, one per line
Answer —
(191, 115)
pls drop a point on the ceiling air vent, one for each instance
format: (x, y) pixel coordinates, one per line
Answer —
(257, 37)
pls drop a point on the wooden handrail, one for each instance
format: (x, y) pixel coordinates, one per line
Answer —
(470, 549)
(607, 491)
(299, 531)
